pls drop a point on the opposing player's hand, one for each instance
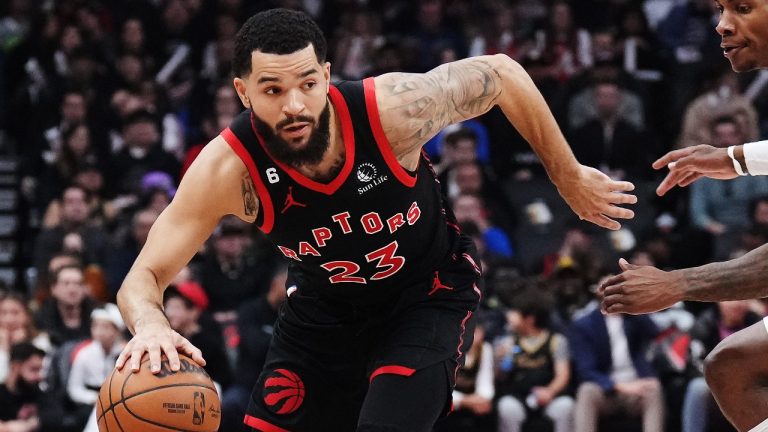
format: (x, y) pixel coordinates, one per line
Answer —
(595, 197)
(156, 338)
(692, 163)
(640, 289)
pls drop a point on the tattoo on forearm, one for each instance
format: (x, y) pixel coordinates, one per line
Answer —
(740, 279)
(249, 196)
(422, 104)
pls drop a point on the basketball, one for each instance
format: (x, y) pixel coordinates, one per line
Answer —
(167, 401)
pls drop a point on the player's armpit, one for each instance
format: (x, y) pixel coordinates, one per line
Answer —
(415, 107)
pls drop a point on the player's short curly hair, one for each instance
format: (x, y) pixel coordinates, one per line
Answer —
(276, 31)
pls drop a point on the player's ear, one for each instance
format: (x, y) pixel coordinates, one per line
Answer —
(327, 76)
(240, 88)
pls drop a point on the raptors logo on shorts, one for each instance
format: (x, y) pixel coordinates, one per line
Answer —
(283, 391)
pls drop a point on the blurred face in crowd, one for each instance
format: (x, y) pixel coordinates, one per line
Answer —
(726, 134)
(468, 208)
(743, 26)
(561, 17)
(175, 15)
(288, 96)
(226, 101)
(469, 179)
(133, 35)
(732, 313)
(142, 222)
(463, 151)
(130, 69)
(80, 140)
(69, 288)
(74, 206)
(179, 315)
(104, 332)
(607, 99)
(70, 39)
(73, 108)
(30, 373)
(90, 179)
(13, 314)
(141, 134)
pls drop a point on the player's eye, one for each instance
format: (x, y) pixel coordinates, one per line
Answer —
(743, 9)
(272, 91)
(309, 85)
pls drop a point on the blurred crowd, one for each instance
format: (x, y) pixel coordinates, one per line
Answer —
(104, 104)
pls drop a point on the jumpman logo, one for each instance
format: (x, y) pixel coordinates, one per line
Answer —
(289, 201)
(437, 285)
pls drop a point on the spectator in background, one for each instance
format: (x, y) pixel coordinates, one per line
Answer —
(66, 316)
(102, 212)
(16, 326)
(561, 45)
(471, 208)
(122, 258)
(533, 366)
(94, 361)
(473, 395)
(142, 153)
(712, 326)
(721, 208)
(502, 36)
(255, 323)
(723, 98)
(434, 36)
(74, 233)
(609, 142)
(609, 356)
(184, 304)
(229, 272)
(133, 40)
(20, 394)
(356, 41)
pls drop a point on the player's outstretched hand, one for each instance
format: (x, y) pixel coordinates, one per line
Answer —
(155, 339)
(640, 289)
(692, 163)
(595, 197)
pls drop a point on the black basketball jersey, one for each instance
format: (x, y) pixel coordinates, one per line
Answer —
(367, 233)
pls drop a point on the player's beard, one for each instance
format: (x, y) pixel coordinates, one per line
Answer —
(311, 153)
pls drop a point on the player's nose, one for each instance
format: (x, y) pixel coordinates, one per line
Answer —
(724, 24)
(294, 103)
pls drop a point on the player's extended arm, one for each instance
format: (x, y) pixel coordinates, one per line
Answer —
(644, 289)
(211, 188)
(689, 164)
(414, 107)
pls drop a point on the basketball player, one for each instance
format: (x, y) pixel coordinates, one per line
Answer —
(335, 176)
(736, 370)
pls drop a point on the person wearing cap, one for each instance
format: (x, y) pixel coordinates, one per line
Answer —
(184, 305)
(94, 360)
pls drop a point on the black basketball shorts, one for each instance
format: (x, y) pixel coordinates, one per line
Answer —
(323, 354)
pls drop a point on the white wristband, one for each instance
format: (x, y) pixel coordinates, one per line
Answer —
(756, 157)
(736, 164)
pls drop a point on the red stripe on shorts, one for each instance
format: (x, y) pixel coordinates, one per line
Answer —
(394, 370)
(261, 425)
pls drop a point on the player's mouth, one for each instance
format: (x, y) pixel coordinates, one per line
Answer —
(295, 130)
(730, 50)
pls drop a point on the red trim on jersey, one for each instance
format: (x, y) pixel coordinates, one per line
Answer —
(261, 425)
(381, 139)
(461, 342)
(261, 190)
(348, 136)
(393, 370)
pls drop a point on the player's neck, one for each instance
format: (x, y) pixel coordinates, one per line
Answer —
(333, 159)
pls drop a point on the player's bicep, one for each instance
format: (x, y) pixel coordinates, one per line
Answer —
(414, 107)
(210, 190)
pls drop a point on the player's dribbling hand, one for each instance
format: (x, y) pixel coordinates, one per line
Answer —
(640, 289)
(595, 197)
(156, 338)
(692, 163)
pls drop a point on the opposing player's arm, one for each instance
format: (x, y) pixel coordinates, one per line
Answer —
(214, 186)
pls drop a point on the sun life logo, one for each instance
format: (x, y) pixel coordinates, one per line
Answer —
(366, 172)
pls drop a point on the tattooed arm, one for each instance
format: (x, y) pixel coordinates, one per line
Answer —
(414, 107)
(214, 186)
